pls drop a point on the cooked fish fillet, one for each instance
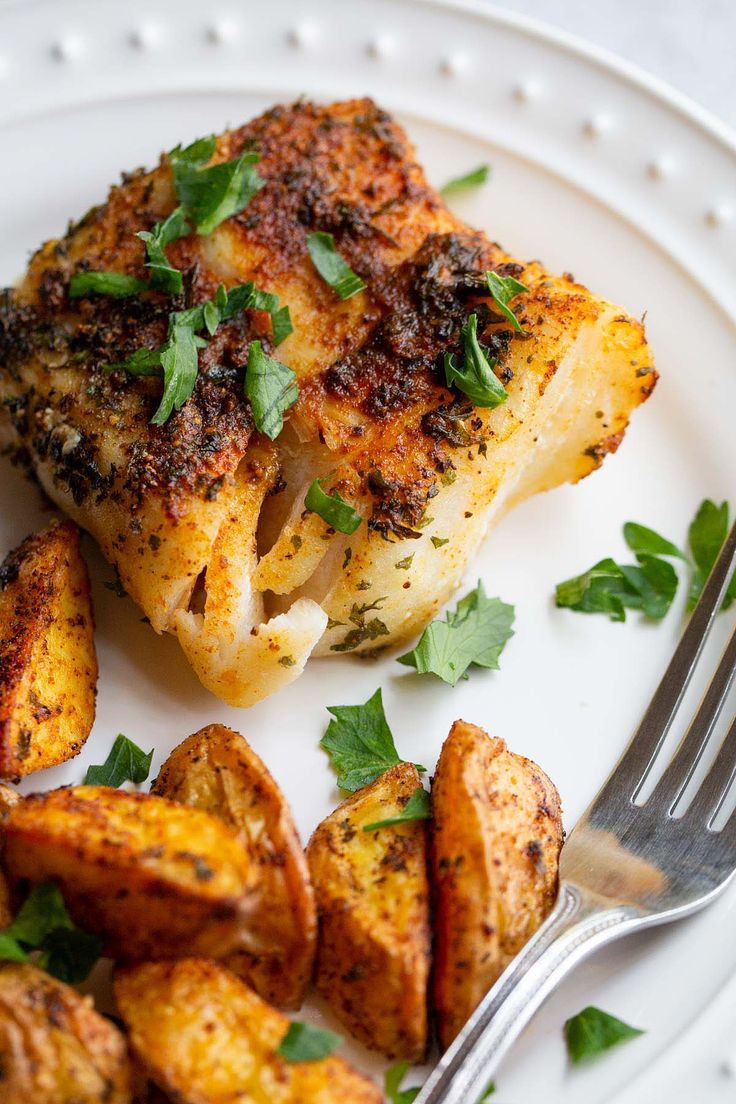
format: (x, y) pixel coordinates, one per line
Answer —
(204, 517)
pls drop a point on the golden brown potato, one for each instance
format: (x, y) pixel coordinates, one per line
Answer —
(206, 1038)
(496, 839)
(48, 666)
(155, 879)
(8, 798)
(217, 770)
(373, 952)
(54, 1047)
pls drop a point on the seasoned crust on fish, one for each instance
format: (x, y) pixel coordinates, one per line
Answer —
(203, 517)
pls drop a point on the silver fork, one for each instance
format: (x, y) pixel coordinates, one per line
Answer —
(625, 866)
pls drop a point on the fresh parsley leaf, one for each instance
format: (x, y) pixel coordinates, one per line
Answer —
(10, 949)
(271, 389)
(392, 1085)
(212, 195)
(503, 289)
(69, 954)
(333, 269)
(44, 925)
(281, 325)
(475, 633)
(196, 154)
(125, 763)
(118, 285)
(164, 277)
(417, 808)
(592, 1032)
(359, 743)
(143, 362)
(472, 179)
(708, 530)
(180, 365)
(474, 376)
(332, 508)
(272, 383)
(612, 588)
(305, 1043)
(42, 912)
(488, 1093)
(641, 539)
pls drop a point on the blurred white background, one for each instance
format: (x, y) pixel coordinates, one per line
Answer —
(689, 43)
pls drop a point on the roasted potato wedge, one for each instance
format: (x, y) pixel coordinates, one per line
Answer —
(155, 879)
(373, 952)
(496, 839)
(48, 666)
(206, 1038)
(54, 1047)
(217, 770)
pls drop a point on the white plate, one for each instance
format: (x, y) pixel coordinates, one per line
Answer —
(595, 169)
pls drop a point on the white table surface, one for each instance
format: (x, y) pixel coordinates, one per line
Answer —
(688, 43)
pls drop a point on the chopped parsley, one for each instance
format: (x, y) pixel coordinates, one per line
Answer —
(592, 1032)
(125, 763)
(503, 289)
(706, 536)
(473, 634)
(305, 1043)
(43, 925)
(363, 628)
(211, 195)
(332, 508)
(473, 179)
(418, 807)
(360, 743)
(118, 285)
(650, 585)
(474, 375)
(164, 277)
(271, 389)
(178, 358)
(333, 269)
(392, 1085)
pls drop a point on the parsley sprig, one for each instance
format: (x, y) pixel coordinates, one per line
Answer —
(333, 268)
(211, 195)
(305, 1043)
(473, 179)
(418, 807)
(473, 634)
(43, 927)
(392, 1080)
(592, 1031)
(125, 763)
(650, 585)
(503, 289)
(474, 375)
(332, 508)
(360, 743)
(270, 389)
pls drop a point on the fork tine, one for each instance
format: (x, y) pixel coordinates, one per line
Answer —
(643, 748)
(717, 782)
(676, 777)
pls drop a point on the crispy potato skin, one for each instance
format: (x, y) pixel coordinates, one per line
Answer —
(496, 839)
(48, 666)
(373, 954)
(218, 771)
(155, 879)
(206, 1038)
(54, 1047)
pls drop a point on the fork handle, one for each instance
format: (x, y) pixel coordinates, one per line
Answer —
(577, 925)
